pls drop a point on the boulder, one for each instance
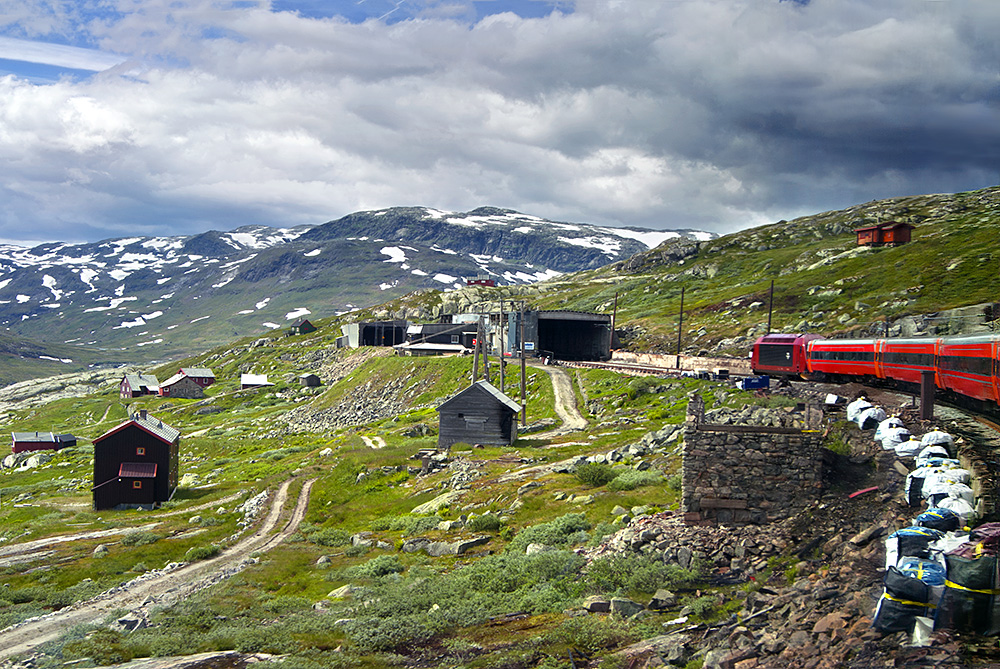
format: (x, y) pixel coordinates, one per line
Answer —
(663, 599)
(442, 500)
(597, 604)
(624, 607)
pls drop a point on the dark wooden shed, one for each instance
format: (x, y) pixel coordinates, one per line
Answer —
(310, 380)
(136, 464)
(302, 326)
(480, 414)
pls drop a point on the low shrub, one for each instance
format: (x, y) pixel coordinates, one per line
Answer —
(202, 553)
(325, 536)
(376, 567)
(600, 531)
(594, 474)
(140, 538)
(565, 530)
(642, 573)
(630, 479)
(484, 523)
(674, 482)
(593, 633)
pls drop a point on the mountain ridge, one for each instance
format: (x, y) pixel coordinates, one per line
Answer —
(136, 299)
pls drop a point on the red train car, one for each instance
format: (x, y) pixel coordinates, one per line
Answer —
(842, 358)
(781, 354)
(970, 366)
(905, 359)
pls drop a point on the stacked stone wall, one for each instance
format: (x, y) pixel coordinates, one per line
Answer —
(747, 474)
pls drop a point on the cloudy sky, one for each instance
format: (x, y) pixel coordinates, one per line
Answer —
(122, 117)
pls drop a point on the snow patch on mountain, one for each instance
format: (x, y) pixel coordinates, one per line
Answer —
(395, 254)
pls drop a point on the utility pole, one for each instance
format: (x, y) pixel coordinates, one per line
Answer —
(486, 358)
(680, 327)
(524, 390)
(770, 308)
(503, 350)
(614, 319)
(475, 353)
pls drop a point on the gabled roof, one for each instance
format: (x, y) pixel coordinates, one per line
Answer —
(489, 389)
(300, 322)
(140, 380)
(153, 426)
(202, 372)
(138, 470)
(174, 379)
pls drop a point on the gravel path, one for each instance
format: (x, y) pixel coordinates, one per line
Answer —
(160, 588)
(565, 403)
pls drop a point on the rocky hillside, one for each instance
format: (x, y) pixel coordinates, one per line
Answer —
(940, 283)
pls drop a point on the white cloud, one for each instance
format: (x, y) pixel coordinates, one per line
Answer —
(57, 54)
(711, 114)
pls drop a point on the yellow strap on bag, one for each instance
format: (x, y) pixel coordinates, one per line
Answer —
(907, 602)
(956, 586)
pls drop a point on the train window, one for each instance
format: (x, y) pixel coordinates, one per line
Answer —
(959, 363)
(847, 356)
(908, 358)
(776, 356)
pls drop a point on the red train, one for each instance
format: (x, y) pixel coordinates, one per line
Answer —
(966, 367)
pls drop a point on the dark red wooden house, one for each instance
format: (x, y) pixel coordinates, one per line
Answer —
(136, 464)
(203, 376)
(884, 234)
(40, 441)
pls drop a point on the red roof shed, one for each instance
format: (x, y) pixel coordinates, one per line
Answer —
(884, 234)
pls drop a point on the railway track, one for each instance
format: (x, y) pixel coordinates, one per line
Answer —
(625, 368)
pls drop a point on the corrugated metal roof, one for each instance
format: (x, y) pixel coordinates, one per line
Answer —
(204, 372)
(42, 437)
(38, 437)
(139, 380)
(138, 470)
(154, 426)
(488, 388)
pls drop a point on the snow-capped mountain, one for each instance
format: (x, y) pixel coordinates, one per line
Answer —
(141, 298)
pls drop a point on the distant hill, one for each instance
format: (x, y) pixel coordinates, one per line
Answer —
(945, 281)
(140, 299)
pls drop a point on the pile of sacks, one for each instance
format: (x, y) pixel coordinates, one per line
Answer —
(938, 479)
(865, 414)
(940, 577)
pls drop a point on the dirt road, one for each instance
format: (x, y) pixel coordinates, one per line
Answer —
(565, 403)
(158, 589)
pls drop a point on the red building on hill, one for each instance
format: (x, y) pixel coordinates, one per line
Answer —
(884, 234)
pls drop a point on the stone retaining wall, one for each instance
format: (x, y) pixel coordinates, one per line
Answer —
(736, 366)
(747, 474)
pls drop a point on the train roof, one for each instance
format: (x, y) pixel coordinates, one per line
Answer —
(785, 338)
